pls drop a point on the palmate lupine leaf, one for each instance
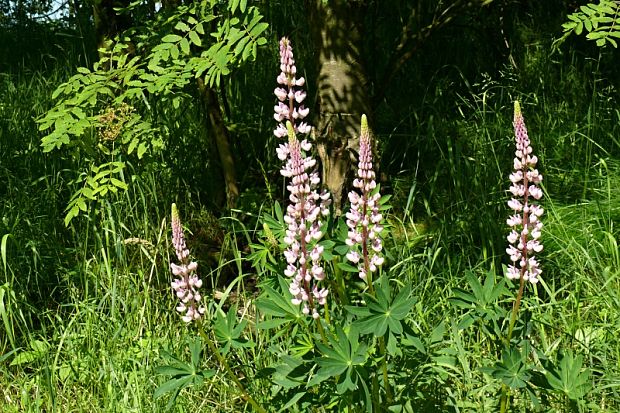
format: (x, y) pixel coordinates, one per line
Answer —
(513, 369)
(278, 307)
(383, 313)
(570, 378)
(228, 331)
(183, 374)
(343, 358)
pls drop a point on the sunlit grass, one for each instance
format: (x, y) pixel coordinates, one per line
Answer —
(86, 312)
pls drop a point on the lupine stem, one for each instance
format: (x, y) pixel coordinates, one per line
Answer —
(513, 319)
(364, 222)
(524, 243)
(339, 285)
(386, 381)
(515, 310)
(246, 396)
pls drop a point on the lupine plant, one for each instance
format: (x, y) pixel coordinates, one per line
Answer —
(185, 288)
(525, 226)
(355, 353)
(364, 218)
(303, 255)
(525, 222)
(304, 227)
(187, 284)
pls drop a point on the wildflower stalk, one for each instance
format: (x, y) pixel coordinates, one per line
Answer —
(290, 94)
(364, 222)
(186, 289)
(303, 254)
(303, 233)
(525, 223)
(187, 284)
(364, 218)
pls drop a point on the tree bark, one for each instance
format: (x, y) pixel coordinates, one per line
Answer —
(218, 128)
(107, 22)
(342, 88)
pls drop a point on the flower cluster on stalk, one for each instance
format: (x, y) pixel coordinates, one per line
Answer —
(364, 218)
(187, 283)
(290, 94)
(303, 252)
(303, 232)
(525, 222)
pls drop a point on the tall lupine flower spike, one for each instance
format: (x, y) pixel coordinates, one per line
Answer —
(290, 95)
(364, 218)
(187, 283)
(525, 223)
(303, 254)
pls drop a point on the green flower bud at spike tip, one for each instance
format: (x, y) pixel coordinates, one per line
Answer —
(364, 128)
(517, 109)
(291, 133)
(175, 212)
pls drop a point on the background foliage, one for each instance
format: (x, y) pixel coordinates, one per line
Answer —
(115, 137)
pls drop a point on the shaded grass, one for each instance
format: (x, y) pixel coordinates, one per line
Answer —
(91, 306)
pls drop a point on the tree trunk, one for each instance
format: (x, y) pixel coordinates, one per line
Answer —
(218, 128)
(342, 88)
(107, 22)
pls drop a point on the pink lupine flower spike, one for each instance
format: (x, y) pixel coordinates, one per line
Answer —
(290, 94)
(187, 283)
(364, 218)
(525, 223)
(303, 232)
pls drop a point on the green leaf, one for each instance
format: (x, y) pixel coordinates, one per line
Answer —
(182, 26)
(570, 379)
(171, 38)
(73, 212)
(179, 369)
(384, 313)
(184, 46)
(141, 149)
(195, 38)
(587, 10)
(259, 29)
(347, 267)
(195, 347)
(25, 357)
(174, 52)
(172, 385)
(132, 145)
(117, 183)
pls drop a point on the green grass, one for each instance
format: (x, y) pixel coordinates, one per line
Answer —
(86, 312)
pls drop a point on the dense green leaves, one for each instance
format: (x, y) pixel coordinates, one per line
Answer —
(165, 57)
(277, 306)
(600, 22)
(481, 302)
(570, 378)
